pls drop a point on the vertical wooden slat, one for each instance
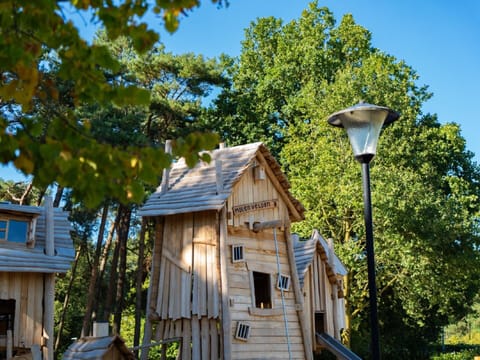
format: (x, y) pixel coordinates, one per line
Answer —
(187, 339)
(23, 309)
(205, 335)
(38, 309)
(161, 285)
(209, 264)
(214, 278)
(226, 322)
(17, 279)
(202, 300)
(49, 294)
(166, 289)
(213, 340)
(30, 321)
(186, 256)
(159, 330)
(196, 348)
(195, 287)
(4, 285)
(307, 345)
(174, 286)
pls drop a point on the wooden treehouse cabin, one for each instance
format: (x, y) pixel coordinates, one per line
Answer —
(224, 280)
(35, 245)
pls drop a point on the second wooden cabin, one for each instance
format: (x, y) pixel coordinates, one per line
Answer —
(224, 278)
(35, 244)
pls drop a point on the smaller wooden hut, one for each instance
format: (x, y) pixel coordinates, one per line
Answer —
(35, 245)
(321, 274)
(99, 348)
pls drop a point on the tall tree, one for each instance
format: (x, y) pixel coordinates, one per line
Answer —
(425, 186)
(59, 146)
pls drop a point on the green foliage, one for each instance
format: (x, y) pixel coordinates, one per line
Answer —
(467, 354)
(40, 131)
(425, 186)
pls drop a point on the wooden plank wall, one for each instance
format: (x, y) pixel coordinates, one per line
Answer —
(188, 301)
(248, 191)
(27, 291)
(267, 336)
(322, 292)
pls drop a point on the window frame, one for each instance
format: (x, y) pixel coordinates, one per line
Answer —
(235, 249)
(29, 232)
(281, 279)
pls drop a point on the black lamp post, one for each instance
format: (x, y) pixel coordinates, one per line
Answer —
(363, 123)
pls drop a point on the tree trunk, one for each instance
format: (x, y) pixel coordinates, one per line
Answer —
(347, 334)
(58, 196)
(94, 275)
(138, 286)
(123, 230)
(107, 310)
(67, 299)
(99, 304)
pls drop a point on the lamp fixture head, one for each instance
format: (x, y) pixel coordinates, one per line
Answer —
(363, 123)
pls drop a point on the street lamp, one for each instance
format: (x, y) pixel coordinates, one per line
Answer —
(363, 123)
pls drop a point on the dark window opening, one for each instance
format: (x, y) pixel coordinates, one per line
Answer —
(319, 322)
(262, 288)
(7, 314)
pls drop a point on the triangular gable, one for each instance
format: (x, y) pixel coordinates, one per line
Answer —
(196, 189)
(305, 250)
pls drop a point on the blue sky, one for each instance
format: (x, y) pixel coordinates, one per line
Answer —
(440, 39)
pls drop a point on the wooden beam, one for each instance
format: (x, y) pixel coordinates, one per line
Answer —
(49, 292)
(223, 256)
(258, 226)
(307, 344)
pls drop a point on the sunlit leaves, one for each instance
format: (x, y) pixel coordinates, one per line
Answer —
(47, 69)
(425, 188)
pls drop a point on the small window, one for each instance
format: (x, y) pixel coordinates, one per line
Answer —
(14, 230)
(283, 282)
(3, 229)
(262, 289)
(243, 331)
(238, 253)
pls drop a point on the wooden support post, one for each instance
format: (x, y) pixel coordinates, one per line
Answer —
(331, 257)
(219, 175)
(49, 291)
(226, 322)
(9, 340)
(166, 172)
(307, 343)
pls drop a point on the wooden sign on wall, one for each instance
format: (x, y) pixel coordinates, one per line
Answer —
(255, 206)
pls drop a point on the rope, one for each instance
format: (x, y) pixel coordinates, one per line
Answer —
(283, 297)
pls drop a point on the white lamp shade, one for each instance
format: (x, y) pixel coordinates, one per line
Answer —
(363, 123)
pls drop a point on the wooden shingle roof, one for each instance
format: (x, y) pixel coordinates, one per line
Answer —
(24, 259)
(195, 189)
(305, 250)
(98, 348)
